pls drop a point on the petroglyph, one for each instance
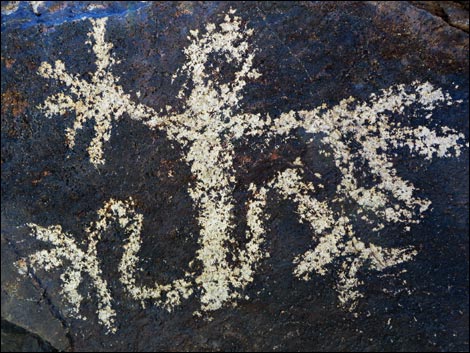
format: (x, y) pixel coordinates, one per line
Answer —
(352, 132)
(68, 255)
(102, 100)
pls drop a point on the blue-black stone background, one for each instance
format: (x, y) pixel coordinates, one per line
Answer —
(308, 53)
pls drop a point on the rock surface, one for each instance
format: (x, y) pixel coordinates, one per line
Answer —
(213, 147)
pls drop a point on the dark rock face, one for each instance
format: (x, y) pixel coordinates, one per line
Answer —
(17, 339)
(212, 148)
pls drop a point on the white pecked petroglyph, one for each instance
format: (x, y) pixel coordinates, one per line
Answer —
(352, 132)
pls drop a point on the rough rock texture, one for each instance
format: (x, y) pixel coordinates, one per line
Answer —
(152, 187)
(17, 339)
